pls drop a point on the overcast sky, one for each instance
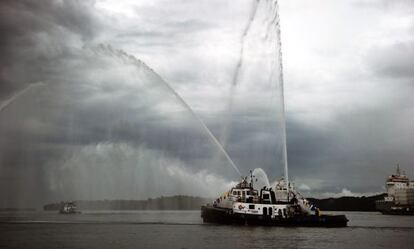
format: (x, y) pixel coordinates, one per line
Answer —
(89, 106)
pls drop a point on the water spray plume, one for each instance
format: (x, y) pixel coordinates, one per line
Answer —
(227, 122)
(261, 176)
(273, 28)
(242, 43)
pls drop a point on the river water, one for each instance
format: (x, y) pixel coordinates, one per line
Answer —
(185, 229)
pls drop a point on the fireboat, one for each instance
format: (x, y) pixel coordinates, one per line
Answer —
(279, 205)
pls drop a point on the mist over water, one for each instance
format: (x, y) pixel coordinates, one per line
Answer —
(105, 125)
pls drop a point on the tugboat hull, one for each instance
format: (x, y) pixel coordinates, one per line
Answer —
(69, 212)
(225, 216)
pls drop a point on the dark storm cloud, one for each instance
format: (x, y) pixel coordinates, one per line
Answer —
(34, 33)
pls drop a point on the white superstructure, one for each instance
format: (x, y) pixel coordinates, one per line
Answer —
(400, 189)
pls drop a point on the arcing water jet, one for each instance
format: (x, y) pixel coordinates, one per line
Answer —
(18, 94)
(130, 58)
(281, 84)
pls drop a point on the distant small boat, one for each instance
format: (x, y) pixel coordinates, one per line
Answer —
(69, 208)
(400, 195)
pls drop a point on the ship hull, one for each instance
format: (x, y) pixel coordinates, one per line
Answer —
(397, 212)
(225, 216)
(389, 208)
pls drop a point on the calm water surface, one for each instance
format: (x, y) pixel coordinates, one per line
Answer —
(184, 229)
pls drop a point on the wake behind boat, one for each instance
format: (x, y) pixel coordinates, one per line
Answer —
(279, 205)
